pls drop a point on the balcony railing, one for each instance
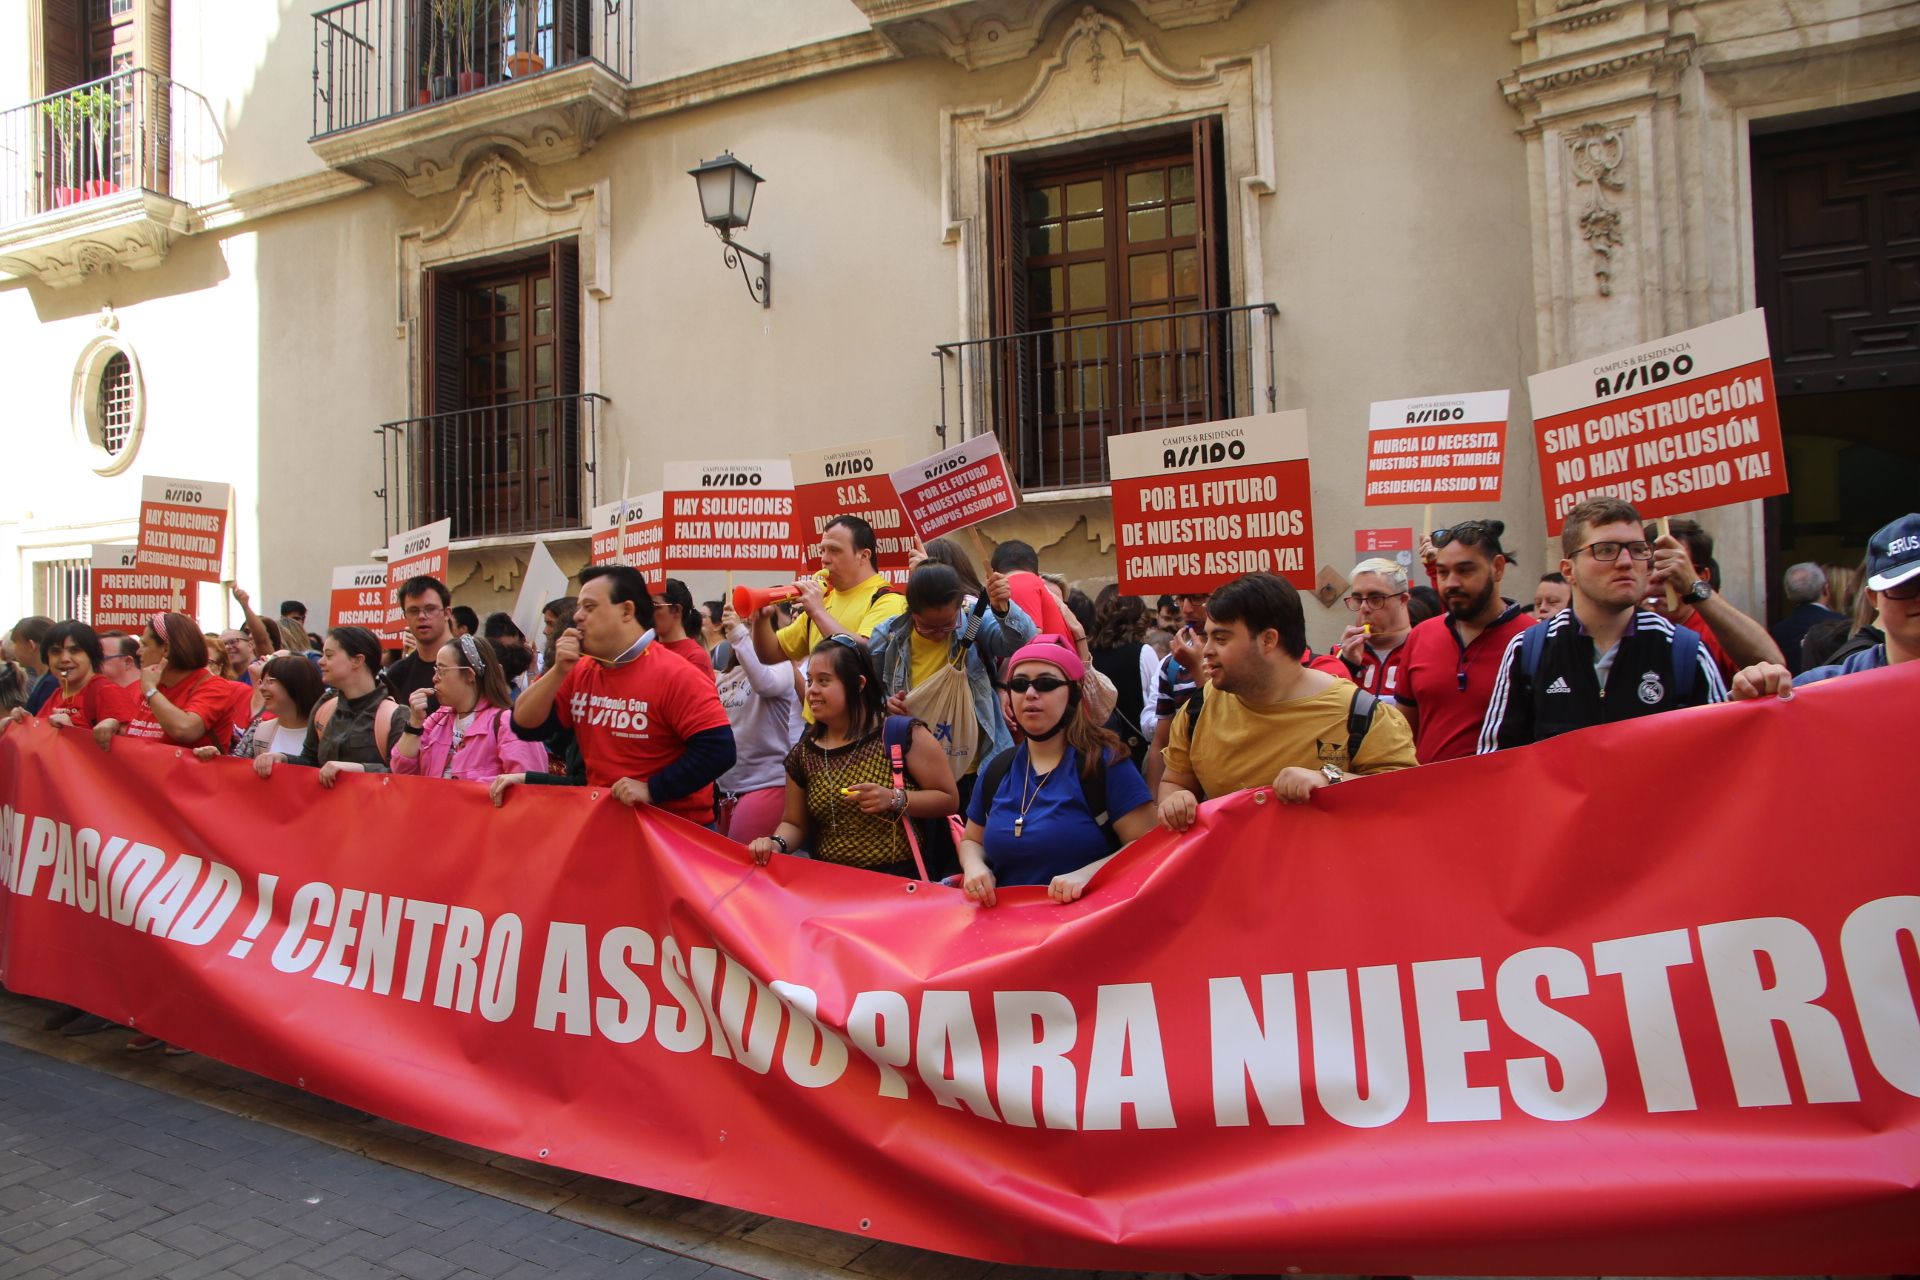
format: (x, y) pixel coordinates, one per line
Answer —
(134, 131)
(508, 469)
(1053, 396)
(378, 58)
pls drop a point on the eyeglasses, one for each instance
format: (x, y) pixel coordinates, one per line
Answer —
(1372, 599)
(1608, 552)
(1039, 684)
(423, 610)
(1903, 590)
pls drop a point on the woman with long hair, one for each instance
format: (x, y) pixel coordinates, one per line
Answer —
(470, 737)
(839, 781)
(180, 701)
(1117, 644)
(1031, 821)
(352, 730)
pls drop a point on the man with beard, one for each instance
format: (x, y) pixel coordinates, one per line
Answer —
(1450, 662)
(1604, 658)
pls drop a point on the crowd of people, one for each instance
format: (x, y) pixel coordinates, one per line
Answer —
(990, 730)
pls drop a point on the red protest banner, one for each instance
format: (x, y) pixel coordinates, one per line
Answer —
(183, 528)
(1676, 1054)
(124, 597)
(731, 515)
(641, 523)
(1436, 449)
(358, 598)
(417, 553)
(1682, 424)
(1197, 506)
(855, 480)
(956, 488)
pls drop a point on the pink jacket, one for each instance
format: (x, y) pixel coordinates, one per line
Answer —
(488, 749)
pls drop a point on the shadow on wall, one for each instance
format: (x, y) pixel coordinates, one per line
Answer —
(193, 264)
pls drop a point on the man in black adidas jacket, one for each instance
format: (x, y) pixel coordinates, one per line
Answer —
(1603, 658)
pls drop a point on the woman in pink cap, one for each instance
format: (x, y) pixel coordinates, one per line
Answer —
(1034, 818)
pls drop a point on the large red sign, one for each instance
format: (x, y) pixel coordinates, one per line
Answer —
(855, 480)
(732, 515)
(358, 598)
(1196, 506)
(956, 488)
(124, 597)
(1682, 424)
(183, 528)
(1338, 1037)
(632, 531)
(1436, 449)
(416, 553)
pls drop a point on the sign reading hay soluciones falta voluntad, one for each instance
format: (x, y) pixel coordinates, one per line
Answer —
(124, 595)
(1682, 424)
(183, 528)
(1197, 506)
(1449, 448)
(417, 553)
(956, 488)
(855, 480)
(632, 531)
(736, 515)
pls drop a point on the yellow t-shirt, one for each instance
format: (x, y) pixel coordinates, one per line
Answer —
(928, 657)
(859, 610)
(1241, 746)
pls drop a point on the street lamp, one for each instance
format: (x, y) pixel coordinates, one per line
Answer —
(726, 202)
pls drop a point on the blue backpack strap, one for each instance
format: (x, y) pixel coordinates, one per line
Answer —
(993, 773)
(1686, 660)
(1533, 642)
(1093, 790)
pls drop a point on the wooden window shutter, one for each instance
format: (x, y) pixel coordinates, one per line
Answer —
(564, 261)
(1210, 221)
(435, 448)
(1013, 377)
(64, 43)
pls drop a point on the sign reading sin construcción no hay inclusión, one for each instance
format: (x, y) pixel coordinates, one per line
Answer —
(956, 488)
(183, 528)
(1197, 506)
(732, 515)
(855, 480)
(632, 531)
(124, 595)
(1682, 424)
(1448, 448)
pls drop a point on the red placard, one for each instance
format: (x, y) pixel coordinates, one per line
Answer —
(417, 553)
(183, 528)
(123, 596)
(1449, 448)
(1197, 506)
(732, 516)
(1339, 1036)
(956, 488)
(1683, 424)
(1382, 542)
(359, 599)
(641, 522)
(855, 480)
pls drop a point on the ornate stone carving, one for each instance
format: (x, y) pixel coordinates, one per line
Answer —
(988, 33)
(130, 231)
(1594, 154)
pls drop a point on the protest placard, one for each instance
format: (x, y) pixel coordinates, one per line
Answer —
(1682, 424)
(632, 531)
(855, 480)
(1197, 506)
(1392, 544)
(359, 599)
(124, 596)
(1449, 448)
(734, 515)
(420, 552)
(956, 488)
(183, 528)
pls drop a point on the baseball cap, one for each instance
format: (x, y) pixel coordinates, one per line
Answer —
(1893, 554)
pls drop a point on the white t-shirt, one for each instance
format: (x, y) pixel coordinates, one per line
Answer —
(285, 741)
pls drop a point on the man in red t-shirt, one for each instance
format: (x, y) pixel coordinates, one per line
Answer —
(648, 725)
(1449, 663)
(1021, 563)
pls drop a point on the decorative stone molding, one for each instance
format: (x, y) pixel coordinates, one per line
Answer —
(1595, 153)
(988, 33)
(128, 231)
(545, 119)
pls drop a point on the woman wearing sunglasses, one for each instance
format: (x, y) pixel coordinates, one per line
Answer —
(840, 782)
(1031, 821)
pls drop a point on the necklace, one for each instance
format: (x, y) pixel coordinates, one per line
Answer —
(1026, 800)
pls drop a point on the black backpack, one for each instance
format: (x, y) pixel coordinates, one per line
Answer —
(1359, 718)
(1093, 789)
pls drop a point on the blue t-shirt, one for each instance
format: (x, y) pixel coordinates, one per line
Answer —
(1059, 834)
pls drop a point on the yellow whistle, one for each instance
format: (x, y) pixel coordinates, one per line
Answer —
(1366, 628)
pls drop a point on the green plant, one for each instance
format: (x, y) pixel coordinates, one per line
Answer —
(87, 111)
(460, 21)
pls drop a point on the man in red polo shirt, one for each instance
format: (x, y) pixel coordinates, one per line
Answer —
(1449, 663)
(648, 723)
(1373, 648)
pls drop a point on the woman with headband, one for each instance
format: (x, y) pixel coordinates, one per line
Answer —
(354, 729)
(180, 700)
(1039, 813)
(471, 736)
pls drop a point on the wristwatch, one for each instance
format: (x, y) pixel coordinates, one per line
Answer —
(1700, 590)
(781, 841)
(150, 694)
(1333, 774)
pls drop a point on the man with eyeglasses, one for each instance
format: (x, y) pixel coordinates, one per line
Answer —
(1893, 588)
(1373, 645)
(1449, 664)
(426, 604)
(1605, 658)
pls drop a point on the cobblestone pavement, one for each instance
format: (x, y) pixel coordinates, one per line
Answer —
(102, 1177)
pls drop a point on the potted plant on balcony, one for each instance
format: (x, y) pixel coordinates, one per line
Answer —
(524, 61)
(462, 25)
(84, 113)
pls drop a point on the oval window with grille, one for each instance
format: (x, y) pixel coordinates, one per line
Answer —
(109, 403)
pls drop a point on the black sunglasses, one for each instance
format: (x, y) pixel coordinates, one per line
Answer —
(1472, 532)
(1043, 684)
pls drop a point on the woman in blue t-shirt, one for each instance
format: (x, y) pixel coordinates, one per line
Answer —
(1035, 827)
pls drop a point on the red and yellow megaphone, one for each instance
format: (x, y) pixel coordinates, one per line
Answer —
(748, 601)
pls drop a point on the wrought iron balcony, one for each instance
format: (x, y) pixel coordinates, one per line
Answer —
(1053, 396)
(526, 467)
(136, 131)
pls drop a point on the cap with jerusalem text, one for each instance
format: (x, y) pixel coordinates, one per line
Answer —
(1893, 554)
